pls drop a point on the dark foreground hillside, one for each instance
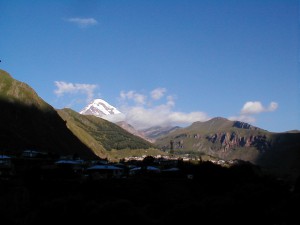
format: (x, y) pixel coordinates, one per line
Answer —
(239, 195)
(28, 122)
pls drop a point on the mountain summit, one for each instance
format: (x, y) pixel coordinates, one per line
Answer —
(102, 109)
(99, 108)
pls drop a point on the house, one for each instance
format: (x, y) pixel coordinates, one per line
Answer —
(33, 154)
(144, 170)
(97, 172)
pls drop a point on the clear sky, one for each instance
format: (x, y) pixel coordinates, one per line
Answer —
(160, 61)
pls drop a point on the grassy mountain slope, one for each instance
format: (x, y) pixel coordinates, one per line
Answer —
(217, 137)
(225, 139)
(14, 91)
(101, 135)
(28, 122)
(158, 131)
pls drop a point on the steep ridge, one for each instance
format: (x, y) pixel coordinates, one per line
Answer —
(101, 135)
(28, 122)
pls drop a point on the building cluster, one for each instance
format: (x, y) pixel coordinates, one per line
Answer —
(37, 165)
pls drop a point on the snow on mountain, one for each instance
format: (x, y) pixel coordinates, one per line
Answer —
(102, 109)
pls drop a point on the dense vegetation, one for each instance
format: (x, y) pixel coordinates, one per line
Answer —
(103, 132)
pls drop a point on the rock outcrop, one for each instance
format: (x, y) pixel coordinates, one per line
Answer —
(231, 140)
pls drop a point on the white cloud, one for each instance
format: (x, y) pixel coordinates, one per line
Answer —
(179, 117)
(253, 107)
(114, 117)
(170, 101)
(71, 88)
(256, 107)
(158, 93)
(132, 95)
(83, 22)
(141, 116)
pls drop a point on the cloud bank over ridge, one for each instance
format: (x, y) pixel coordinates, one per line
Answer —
(154, 108)
(143, 111)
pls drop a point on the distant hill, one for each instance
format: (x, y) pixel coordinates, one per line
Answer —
(28, 122)
(133, 131)
(218, 137)
(155, 132)
(225, 139)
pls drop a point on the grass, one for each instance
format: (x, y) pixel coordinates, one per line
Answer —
(106, 139)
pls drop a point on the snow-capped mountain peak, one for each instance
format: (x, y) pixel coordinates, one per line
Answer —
(99, 108)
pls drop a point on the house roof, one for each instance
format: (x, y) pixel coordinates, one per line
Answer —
(104, 167)
(151, 168)
(73, 162)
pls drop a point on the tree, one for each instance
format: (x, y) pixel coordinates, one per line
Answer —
(172, 147)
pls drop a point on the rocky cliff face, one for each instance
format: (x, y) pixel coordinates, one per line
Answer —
(229, 140)
(219, 137)
(221, 141)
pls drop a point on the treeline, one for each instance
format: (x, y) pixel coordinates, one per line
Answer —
(103, 132)
(116, 139)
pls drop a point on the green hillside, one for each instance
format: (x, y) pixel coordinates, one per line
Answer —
(220, 138)
(28, 122)
(101, 135)
(15, 91)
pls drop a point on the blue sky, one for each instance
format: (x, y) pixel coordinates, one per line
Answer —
(160, 62)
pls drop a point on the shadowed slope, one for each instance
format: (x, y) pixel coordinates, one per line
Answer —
(28, 122)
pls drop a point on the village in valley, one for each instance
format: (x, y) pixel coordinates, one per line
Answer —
(42, 188)
(40, 165)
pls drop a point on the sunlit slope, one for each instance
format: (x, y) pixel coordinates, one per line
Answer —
(101, 135)
(223, 139)
(28, 122)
